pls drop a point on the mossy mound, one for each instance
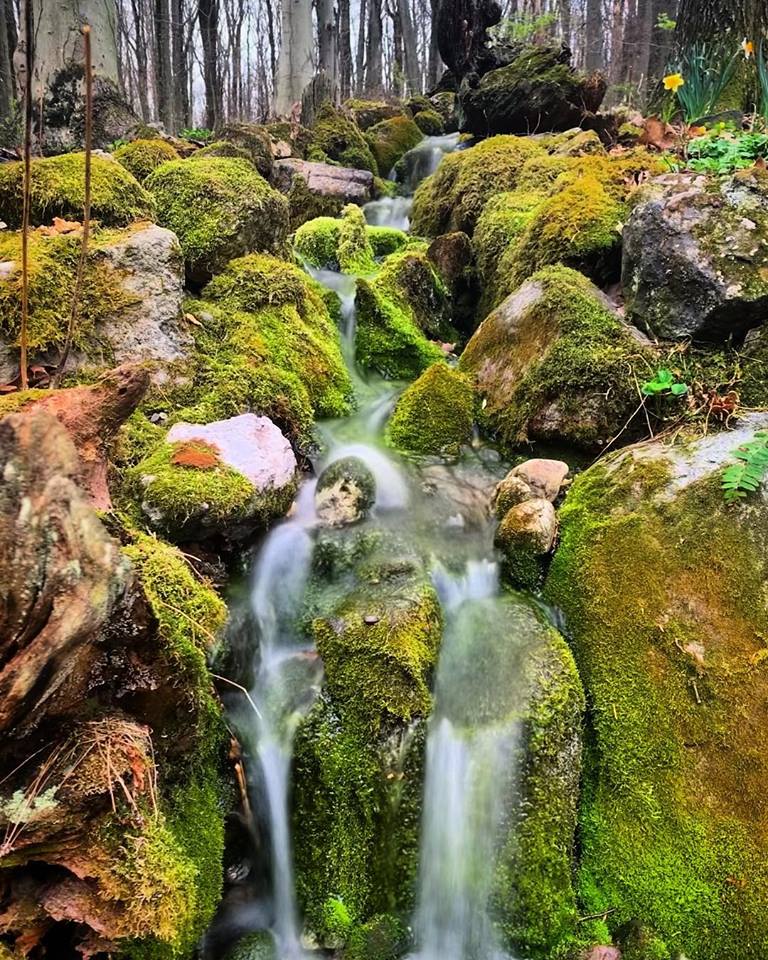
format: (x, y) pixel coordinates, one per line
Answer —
(673, 814)
(453, 198)
(367, 113)
(381, 938)
(58, 190)
(346, 243)
(429, 122)
(254, 946)
(435, 414)
(554, 361)
(221, 148)
(392, 139)
(220, 209)
(141, 157)
(52, 272)
(266, 344)
(394, 309)
(255, 139)
(337, 139)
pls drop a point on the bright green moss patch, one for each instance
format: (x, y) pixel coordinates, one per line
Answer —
(57, 190)
(141, 157)
(392, 139)
(346, 243)
(673, 818)
(220, 208)
(454, 197)
(435, 414)
(317, 242)
(337, 139)
(221, 148)
(429, 122)
(52, 270)
(15, 402)
(386, 240)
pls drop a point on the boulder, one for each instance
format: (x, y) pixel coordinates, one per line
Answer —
(366, 113)
(662, 585)
(538, 90)
(695, 260)
(224, 478)
(133, 311)
(544, 477)
(553, 361)
(255, 140)
(141, 157)
(343, 184)
(392, 139)
(219, 208)
(337, 138)
(526, 536)
(435, 414)
(345, 492)
(454, 260)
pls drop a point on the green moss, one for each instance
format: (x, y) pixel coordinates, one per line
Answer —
(355, 253)
(382, 938)
(429, 122)
(15, 402)
(305, 205)
(52, 271)
(255, 139)
(57, 190)
(141, 157)
(317, 242)
(454, 197)
(366, 113)
(383, 188)
(673, 814)
(392, 139)
(327, 241)
(221, 148)
(435, 414)
(566, 353)
(219, 208)
(254, 946)
(336, 138)
(386, 240)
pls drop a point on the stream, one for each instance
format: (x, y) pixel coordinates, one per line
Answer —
(441, 506)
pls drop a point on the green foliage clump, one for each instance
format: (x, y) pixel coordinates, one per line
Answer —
(382, 938)
(747, 475)
(58, 190)
(429, 122)
(220, 208)
(565, 352)
(435, 414)
(392, 139)
(454, 197)
(141, 157)
(52, 271)
(393, 311)
(723, 151)
(337, 139)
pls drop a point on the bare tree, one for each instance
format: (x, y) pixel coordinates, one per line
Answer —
(327, 42)
(373, 49)
(208, 19)
(164, 76)
(295, 67)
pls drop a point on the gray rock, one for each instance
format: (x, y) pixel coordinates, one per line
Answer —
(345, 493)
(342, 183)
(695, 261)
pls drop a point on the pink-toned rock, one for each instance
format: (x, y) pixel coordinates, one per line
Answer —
(544, 477)
(531, 525)
(252, 445)
(343, 183)
(603, 953)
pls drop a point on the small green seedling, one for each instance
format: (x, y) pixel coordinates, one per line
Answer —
(664, 384)
(746, 476)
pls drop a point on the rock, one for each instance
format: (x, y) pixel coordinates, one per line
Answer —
(337, 138)
(603, 953)
(338, 243)
(435, 414)
(526, 536)
(254, 946)
(392, 139)
(366, 113)
(662, 585)
(345, 492)
(224, 478)
(544, 477)
(384, 938)
(553, 361)
(695, 258)
(430, 122)
(538, 90)
(219, 208)
(91, 416)
(255, 139)
(141, 157)
(344, 184)
(451, 254)
(509, 492)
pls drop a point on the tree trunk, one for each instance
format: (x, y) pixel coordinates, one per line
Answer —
(7, 80)
(180, 68)
(360, 59)
(165, 112)
(594, 36)
(327, 43)
(412, 73)
(295, 68)
(345, 50)
(373, 51)
(433, 67)
(208, 18)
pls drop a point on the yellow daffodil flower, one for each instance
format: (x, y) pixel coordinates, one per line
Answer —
(673, 82)
(748, 47)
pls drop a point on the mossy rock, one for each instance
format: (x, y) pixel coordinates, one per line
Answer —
(429, 122)
(673, 812)
(255, 139)
(381, 938)
(346, 243)
(444, 103)
(221, 148)
(219, 208)
(394, 310)
(367, 113)
(392, 139)
(141, 157)
(435, 414)
(58, 190)
(295, 135)
(254, 946)
(345, 492)
(337, 139)
(454, 197)
(555, 361)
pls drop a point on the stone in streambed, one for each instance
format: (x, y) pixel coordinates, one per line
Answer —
(536, 478)
(435, 414)
(526, 536)
(224, 478)
(345, 492)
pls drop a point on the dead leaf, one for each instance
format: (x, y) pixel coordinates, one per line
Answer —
(658, 134)
(190, 318)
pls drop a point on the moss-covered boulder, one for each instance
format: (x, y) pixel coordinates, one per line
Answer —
(255, 139)
(141, 157)
(254, 946)
(444, 103)
(538, 90)
(337, 138)
(396, 311)
(554, 361)
(367, 113)
(696, 256)
(525, 536)
(673, 812)
(58, 190)
(345, 492)
(346, 243)
(392, 139)
(454, 197)
(218, 479)
(221, 148)
(429, 122)
(435, 415)
(219, 208)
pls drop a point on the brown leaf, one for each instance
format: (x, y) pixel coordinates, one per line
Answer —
(658, 134)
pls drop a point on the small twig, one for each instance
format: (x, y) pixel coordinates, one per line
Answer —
(598, 916)
(240, 687)
(79, 276)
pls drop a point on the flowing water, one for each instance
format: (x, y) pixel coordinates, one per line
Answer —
(443, 508)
